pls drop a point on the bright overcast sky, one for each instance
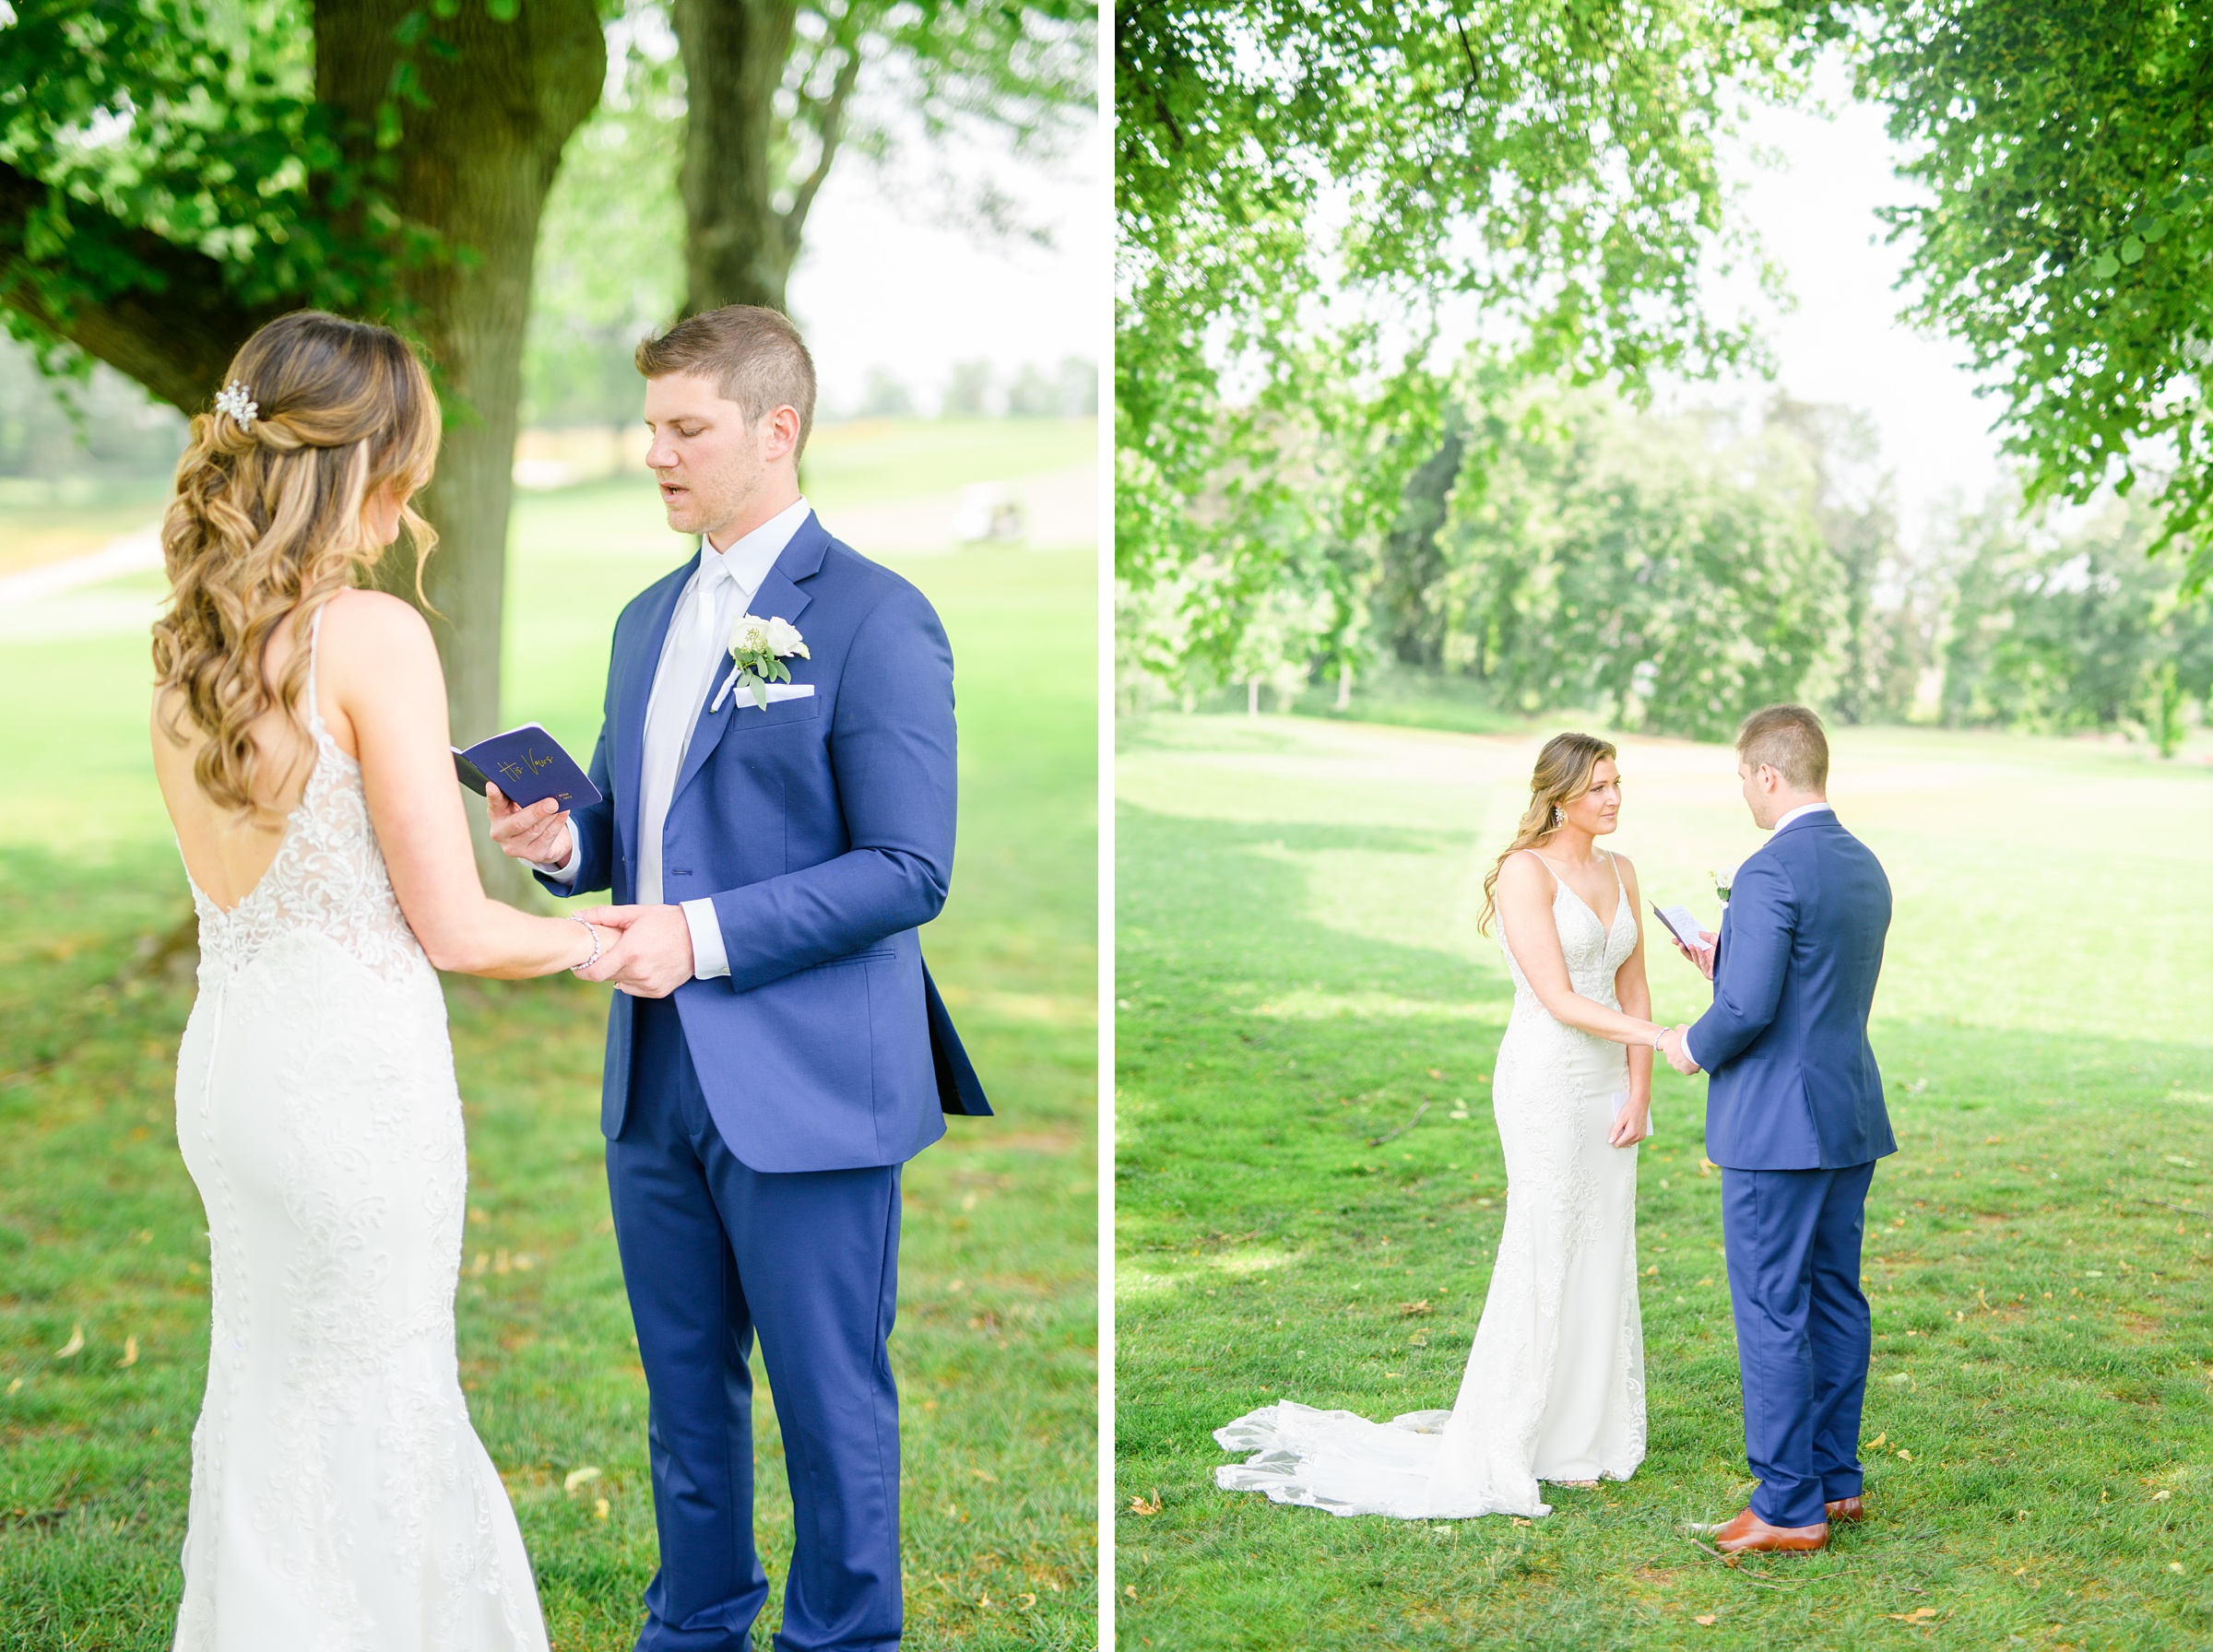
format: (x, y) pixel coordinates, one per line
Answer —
(883, 282)
(1815, 213)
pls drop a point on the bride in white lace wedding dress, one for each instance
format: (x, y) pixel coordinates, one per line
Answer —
(1554, 1387)
(340, 1499)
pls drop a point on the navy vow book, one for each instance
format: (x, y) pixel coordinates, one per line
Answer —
(528, 765)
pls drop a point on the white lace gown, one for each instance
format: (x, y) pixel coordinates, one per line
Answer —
(340, 1500)
(1554, 1388)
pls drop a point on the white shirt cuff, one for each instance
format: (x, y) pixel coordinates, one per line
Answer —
(1689, 1052)
(567, 871)
(708, 958)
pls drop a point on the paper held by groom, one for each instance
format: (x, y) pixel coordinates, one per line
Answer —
(777, 1050)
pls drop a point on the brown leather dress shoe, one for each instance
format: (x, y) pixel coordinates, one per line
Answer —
(1748, 1534)
(1847, 1508)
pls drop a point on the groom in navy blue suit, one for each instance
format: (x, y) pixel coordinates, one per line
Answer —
(1795, 1117)
(776, 1050)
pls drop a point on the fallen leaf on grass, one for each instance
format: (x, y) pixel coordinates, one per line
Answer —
(15, 1386)
(130, 1352)
(2162, 1497)
(599, 1509)
(576, 1477)
(74, 1344)
(1138, 1505)
(1920, 1614)
(1905, 1457)
(1408, 1309)
(1705, 1620)
(2174, 1565)
(1878, 1439)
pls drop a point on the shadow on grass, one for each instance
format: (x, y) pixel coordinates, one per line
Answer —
(2037, 1255)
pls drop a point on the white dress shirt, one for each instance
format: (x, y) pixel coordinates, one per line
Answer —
(697, 646)
(1796, 814)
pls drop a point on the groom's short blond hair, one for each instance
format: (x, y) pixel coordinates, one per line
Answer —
(1790, 740)
(753, 353)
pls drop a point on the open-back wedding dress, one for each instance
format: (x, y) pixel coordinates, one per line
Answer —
(340, 1500)
(1554, 1388)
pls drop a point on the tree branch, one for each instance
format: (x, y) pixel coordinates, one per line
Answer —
(156, 312)
(830, 124)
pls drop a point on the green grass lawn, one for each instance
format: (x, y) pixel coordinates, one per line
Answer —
(1300, 972)
(100, 1228)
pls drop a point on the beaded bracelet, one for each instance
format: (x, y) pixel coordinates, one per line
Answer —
(595, 935)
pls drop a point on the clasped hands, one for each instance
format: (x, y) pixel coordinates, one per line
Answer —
(1673, 1043)
(651, 956)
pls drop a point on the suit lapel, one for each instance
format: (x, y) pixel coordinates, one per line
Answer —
(779, 598)
(636, 691)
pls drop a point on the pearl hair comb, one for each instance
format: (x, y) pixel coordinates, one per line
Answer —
(238, 401)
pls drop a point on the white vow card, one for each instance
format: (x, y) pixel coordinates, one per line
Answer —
(1685, 927)
(1621, 1100)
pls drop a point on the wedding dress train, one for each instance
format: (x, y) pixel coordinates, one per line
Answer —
(340, 1500)
(1554, 1387)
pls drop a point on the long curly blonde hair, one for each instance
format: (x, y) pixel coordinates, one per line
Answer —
(267, 525)
(1562, 774)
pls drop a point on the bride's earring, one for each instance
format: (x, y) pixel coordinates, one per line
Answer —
(1558, 818)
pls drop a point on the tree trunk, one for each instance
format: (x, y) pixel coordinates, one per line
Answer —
(474, 168)
(738, 245)
(736, 251)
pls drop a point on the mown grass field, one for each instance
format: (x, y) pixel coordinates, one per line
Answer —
(100, 1228)
(1300, 972)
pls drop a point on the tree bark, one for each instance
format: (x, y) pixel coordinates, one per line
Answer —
(738, 245)
(474, 168)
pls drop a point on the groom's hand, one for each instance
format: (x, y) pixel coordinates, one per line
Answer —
(539, 833)
(1674, 1045)
(653, 956)
(1701, 959)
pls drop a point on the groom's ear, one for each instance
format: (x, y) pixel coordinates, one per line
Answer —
(782, 432)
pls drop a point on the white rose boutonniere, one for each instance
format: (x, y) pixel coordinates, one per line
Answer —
(758, 649)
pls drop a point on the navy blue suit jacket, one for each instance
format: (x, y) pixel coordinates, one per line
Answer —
(1794, 1085)
(822, 829)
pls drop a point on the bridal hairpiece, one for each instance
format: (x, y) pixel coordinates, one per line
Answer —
(238, 401)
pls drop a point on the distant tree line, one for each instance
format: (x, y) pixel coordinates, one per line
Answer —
(1558, 548)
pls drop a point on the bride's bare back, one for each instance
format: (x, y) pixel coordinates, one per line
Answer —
(227, 851)
(381, 692)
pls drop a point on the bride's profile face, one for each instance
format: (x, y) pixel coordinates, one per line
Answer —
(1598, 811)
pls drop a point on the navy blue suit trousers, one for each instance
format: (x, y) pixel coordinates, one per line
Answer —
(715, 1254)
(1803, 1331)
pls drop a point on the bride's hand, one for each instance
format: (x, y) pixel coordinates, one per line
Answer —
(1632, 1124)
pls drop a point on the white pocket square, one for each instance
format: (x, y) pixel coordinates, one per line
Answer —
(777, 691)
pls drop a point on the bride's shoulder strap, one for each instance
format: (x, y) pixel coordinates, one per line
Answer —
(314, 645)
(1542, 862)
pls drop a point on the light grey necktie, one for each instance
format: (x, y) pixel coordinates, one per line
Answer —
(695, 645)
